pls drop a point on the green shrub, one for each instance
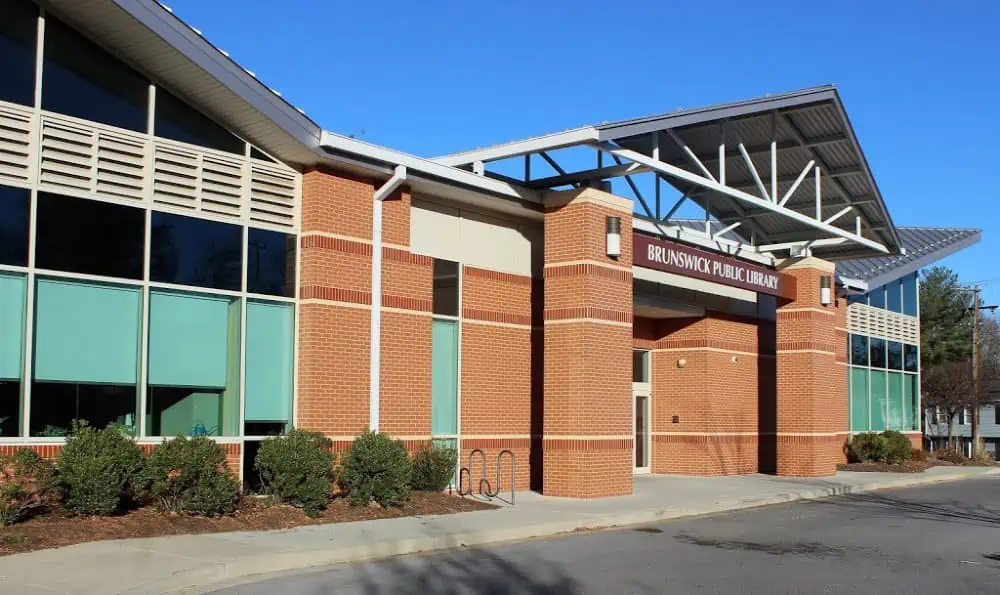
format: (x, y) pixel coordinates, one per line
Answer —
(868, 447)
(100, 471)
(297, 469)
(433, 468)
(26, 485)
(898, 447)
(376, 469)
(191, 476)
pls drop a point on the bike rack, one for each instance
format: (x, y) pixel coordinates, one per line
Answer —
(484, 484)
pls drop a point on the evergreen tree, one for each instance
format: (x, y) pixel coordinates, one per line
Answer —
(945, 319)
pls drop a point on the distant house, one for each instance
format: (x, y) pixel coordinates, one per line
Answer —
(936, 426)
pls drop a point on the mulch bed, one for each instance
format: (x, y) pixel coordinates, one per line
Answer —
(254, 514)
(907, 467)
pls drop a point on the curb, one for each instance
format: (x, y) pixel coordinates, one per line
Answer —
(218, 575)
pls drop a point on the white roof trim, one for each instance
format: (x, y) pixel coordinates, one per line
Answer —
(549, 142)
(446, 173)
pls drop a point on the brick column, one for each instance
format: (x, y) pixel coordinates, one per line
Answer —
(335, 311)
(587, 443)
(811, 384)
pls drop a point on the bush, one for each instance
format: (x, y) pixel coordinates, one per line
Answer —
(950, 456)
(191, 476)
(919, 454)
(898, 447)
(433, 468)
(376, 469)
(297, 469)
(868, 447)
(100, 470)
(26, 485)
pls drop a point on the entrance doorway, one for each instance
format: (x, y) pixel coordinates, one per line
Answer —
(641, 384)
(642, 433)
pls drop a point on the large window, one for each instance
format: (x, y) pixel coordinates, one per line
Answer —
(859, 399)
(15, 209)
(859, 350)
(909, 283)
(893, 297)
(18, 28)
(911, 358)
(86, 353)
(191, 251)
(877, 352)
(876, 297)
(895, 355)
(445, 287)
(881, 400)
(271, 263)
(270, 366)
(640, 366)
(80, 79)
(878, 404)
(114, 311)
(194, 364)
(12, 313)
(444, 349)
(177, 120)
(80, 235)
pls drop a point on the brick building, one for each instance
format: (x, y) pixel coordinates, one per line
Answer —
(185, 252)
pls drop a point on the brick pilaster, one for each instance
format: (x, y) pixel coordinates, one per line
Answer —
(587, 444)
(335, 311)
(811, 399)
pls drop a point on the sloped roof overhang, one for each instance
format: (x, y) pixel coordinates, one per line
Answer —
(782, 172)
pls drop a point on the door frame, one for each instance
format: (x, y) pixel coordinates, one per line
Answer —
(642, 390)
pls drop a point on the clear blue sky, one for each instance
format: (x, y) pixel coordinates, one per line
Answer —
(919, 78)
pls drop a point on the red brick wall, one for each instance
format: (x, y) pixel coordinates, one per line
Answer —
(496, 410)
(334, 316)
(587, 408)
(713, 398)
(812, 385)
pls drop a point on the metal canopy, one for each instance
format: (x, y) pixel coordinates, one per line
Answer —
(785, 174)
(923, 246)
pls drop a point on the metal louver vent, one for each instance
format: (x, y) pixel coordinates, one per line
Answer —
(15, 143)
(77, 157)
(81, 157)
(876, 322)
(273, 192)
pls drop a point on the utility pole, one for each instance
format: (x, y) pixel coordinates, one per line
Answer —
(975, 371)
(976, 307)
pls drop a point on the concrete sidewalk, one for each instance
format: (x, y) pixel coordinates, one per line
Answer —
(202, 563)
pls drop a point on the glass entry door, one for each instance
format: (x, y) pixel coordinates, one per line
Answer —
(641, 433)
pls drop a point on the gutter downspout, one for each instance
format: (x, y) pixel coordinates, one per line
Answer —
(397, 179)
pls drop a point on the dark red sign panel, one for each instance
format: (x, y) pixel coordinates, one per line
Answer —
(672, 257)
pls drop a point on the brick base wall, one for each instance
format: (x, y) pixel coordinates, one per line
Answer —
(580, 470)
(705, 455)
(51, 451)
(521, 447)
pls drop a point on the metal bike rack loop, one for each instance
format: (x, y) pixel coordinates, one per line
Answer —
(485, 489)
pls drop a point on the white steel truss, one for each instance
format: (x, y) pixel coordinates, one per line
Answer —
(748, 207)
(765, 202)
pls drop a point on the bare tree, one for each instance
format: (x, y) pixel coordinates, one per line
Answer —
(988, 358)
(947, 387)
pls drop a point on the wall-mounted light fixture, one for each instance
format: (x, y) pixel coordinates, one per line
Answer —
(825, 295)
(614, 237)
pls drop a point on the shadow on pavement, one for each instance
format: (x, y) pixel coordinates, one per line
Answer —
(465, 571)
(950, 511)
